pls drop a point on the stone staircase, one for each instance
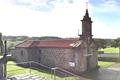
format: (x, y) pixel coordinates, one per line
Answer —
(26, 77)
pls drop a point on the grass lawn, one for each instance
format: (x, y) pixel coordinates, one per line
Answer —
(14, 70)
(103, 64)
(110, 50)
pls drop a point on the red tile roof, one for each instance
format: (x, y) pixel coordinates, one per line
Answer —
(50, 43)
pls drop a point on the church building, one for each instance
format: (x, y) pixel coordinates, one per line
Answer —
(74, 55)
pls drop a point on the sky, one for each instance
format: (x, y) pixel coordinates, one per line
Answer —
(59, 17)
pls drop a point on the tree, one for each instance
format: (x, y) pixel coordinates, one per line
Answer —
(101, 43)
(116, 43)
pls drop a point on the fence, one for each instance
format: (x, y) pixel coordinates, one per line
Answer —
(36, 71)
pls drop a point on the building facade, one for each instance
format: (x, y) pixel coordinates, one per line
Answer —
(75, 55)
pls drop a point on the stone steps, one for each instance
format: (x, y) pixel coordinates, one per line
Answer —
(27, 77)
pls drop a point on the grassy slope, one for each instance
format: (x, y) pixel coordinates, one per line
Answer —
(12, 71)
(46, 74)
(110, 50)
(103, 64)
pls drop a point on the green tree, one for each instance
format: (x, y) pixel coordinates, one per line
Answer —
(116, 43)
(101, 43)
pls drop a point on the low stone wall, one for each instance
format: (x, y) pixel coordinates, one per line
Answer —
(109, 59)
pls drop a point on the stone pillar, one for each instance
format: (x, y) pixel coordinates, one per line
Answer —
(3, 59)
(1, 71)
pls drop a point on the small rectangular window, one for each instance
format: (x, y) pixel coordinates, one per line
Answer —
(21, 53)
(72, 64)
(72, 60)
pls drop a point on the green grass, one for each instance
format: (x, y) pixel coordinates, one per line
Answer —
(12, 69)
(110, 50)
(15, 70)
(103, 64)
(12, 43)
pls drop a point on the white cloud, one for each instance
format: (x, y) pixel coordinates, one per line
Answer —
(103, 30)
(107, 6)
(102, 27)
(63, 20)
(40, 5)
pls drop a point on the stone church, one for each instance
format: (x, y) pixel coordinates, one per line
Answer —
(74, 55)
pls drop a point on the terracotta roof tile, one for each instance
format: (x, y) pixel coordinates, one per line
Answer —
(51, 43)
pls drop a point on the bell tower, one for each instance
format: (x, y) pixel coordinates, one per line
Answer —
(86, 27)
(86, 36)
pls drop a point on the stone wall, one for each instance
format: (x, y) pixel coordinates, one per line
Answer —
(59, 57)
(20, 54)
(56, 57)
(33, 54)
(81, 59)
(93, 59)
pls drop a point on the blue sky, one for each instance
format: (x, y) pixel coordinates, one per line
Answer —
(58, 17)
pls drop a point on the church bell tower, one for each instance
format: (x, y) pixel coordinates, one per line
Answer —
(86, 36)
(86, 27)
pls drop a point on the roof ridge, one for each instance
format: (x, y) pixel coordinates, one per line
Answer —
(21, 43)
(50, 43)
(55, 39)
